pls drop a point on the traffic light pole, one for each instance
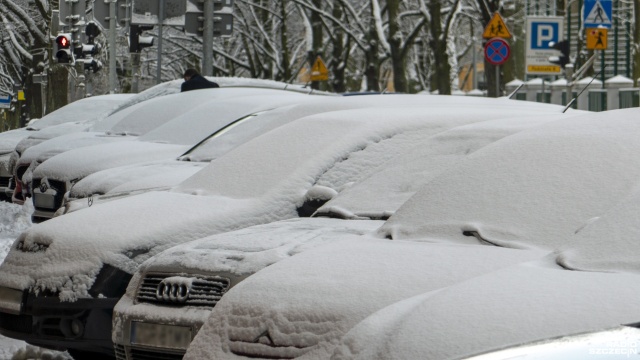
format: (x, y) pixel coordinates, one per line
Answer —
(160, 21)
(112, 46)
(207, 39)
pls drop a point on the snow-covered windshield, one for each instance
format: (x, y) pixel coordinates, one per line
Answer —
(422, 155)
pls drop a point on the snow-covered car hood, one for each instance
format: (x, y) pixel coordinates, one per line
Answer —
(512, 306)
(9, 139)
(78, 163)
(47, 149)
(245, 251)
(162, 174)
(542, 185)
(306, 302)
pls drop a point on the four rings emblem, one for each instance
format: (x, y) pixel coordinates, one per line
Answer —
(174, 289)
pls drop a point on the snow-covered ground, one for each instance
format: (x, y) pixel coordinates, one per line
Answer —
(14, 219)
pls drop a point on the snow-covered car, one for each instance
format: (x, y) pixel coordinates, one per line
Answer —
(589, 284)
(221, 261)
(620, 342)
(122, 121)
(530, 191)
(215, 112)
(73, 269)
(68, 118)
(8, 141)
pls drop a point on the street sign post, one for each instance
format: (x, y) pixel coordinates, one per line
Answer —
(319, 71)
(497, 51)
(147, 12)
(101, 12)
(597, 13)
(596, 38)
(496, 28)
(5, 101)
(542, 32)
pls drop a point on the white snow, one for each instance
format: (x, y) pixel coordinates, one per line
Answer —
(306, 302)
(245, 187)
(512, 306)
(541, 185)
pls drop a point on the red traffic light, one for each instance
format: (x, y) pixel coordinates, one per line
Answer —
(63, 41)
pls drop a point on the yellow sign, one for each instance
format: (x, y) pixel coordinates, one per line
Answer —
(21, 95)
(596, 38)
(319, 70)
(551, 69)
(496, 28)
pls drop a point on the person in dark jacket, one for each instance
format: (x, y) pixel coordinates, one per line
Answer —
(194, 81)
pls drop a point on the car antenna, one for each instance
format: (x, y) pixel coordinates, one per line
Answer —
(585, 88)
(513, 93)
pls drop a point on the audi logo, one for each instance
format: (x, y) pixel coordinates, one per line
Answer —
(175, 292)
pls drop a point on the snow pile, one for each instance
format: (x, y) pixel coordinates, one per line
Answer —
(14, 219)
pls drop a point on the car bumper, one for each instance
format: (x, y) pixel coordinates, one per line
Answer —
(136, 337)
(83, 325)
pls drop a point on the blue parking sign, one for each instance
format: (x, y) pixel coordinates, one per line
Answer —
(544, 32)
(597, 13)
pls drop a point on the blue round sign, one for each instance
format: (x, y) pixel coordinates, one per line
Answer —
(497, 51)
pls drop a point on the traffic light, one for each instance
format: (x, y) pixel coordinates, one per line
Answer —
(137, 42)
(92, 65)
(63, 52)
(563, 58)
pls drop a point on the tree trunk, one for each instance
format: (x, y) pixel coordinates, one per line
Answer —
(395, 43)
(339, 58)
(441, 74)
(284, 43)
(636, 43)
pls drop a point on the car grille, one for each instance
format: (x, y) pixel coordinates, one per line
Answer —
(145, 354)
(51, 200)
(204, 291)
(4, 181)
(120, 352)
(17, 323)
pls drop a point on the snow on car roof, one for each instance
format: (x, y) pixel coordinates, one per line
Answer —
(195, 124)
(306, 302)
(148, 115)
(181, 132)
(84, 110)
(535, 188)
(512, 306)
(245, 187)
(173, 87)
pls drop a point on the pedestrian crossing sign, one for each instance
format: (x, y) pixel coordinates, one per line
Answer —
(598, 13)
(496, 28)
(596, 38)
